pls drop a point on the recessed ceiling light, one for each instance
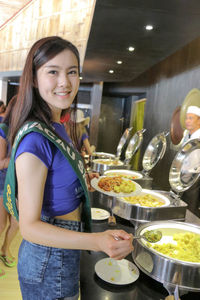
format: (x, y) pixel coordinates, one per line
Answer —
(131, 48)
(119, 62)
(111, 71)
(149, 27)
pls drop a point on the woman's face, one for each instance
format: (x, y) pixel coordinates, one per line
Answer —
(58, 81)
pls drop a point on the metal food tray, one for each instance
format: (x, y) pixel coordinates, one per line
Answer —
(171, 272)
(103, 155)
(101, 168)
(175, 210)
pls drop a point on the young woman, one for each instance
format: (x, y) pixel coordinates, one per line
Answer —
(51, 192)
(5, 217)
(76, 129)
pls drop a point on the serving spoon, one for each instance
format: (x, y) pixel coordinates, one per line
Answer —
(151, 236)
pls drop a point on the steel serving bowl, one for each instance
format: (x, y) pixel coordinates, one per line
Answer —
(102, 165)
(102, 155)
(173, 209)
(169, 271)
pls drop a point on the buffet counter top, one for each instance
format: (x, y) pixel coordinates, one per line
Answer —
(145, 288)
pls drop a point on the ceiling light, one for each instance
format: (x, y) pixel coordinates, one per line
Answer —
(149, 27)
(131, 48)
(119, 62)
(111, 71)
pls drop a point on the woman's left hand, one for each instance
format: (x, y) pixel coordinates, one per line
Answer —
(89, 177)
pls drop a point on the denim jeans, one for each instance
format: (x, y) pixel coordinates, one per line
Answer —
(47, 273)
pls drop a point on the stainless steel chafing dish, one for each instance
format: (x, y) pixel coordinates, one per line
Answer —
(153, 154)
(169, 271)
(122, 142)
(101, 164)
(183, 174)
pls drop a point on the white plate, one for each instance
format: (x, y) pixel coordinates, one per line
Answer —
(117, 271)
(99, 214)
(94, 184)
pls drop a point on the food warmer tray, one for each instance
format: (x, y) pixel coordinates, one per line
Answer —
(169, 271)
(183, 174)
(153, 154)
(101, 165)
(174, 209)
(122, 142)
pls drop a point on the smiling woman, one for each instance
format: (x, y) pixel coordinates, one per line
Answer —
(53, 198)
(58, 82)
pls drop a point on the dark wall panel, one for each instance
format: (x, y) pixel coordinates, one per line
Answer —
(166, 85)
(171, 80)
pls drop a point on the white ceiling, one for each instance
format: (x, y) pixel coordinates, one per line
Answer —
(8, 8)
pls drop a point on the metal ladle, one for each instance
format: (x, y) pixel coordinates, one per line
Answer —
(151, 236)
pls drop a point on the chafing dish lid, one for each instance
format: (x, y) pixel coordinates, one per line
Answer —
(123, 140)
(134, 144)
(185, 168)
(154, 151)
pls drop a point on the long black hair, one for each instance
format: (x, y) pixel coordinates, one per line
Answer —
(29, 105)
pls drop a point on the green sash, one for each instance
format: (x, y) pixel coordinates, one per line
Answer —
(4, 127)
(9, 196)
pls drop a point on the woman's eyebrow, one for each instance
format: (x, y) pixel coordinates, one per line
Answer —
(55, 66)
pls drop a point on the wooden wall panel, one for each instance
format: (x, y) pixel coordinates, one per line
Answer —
(69, 19)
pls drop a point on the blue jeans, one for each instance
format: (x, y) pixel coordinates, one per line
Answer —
(47, 273)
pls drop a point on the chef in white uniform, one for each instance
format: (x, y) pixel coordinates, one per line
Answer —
(192, 124)
(191, 163)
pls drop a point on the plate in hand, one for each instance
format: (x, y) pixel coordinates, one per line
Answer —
(137, 187)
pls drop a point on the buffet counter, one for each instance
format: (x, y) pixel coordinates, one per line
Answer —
(144, 288)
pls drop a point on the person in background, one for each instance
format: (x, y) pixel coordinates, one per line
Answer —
(192, 124)
(78, 122)
(2, 110)
(5, 217)
(191, 164)
(53, 200)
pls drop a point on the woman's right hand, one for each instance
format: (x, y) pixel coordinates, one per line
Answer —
(116, 244)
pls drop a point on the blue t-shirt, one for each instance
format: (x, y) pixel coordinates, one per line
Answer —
(63, 191)
(83, 137)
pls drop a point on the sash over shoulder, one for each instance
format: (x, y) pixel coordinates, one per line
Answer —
(10, 188)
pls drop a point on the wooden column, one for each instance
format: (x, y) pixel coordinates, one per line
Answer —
(96, 97)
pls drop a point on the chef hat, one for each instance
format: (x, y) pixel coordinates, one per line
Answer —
(193, 110)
